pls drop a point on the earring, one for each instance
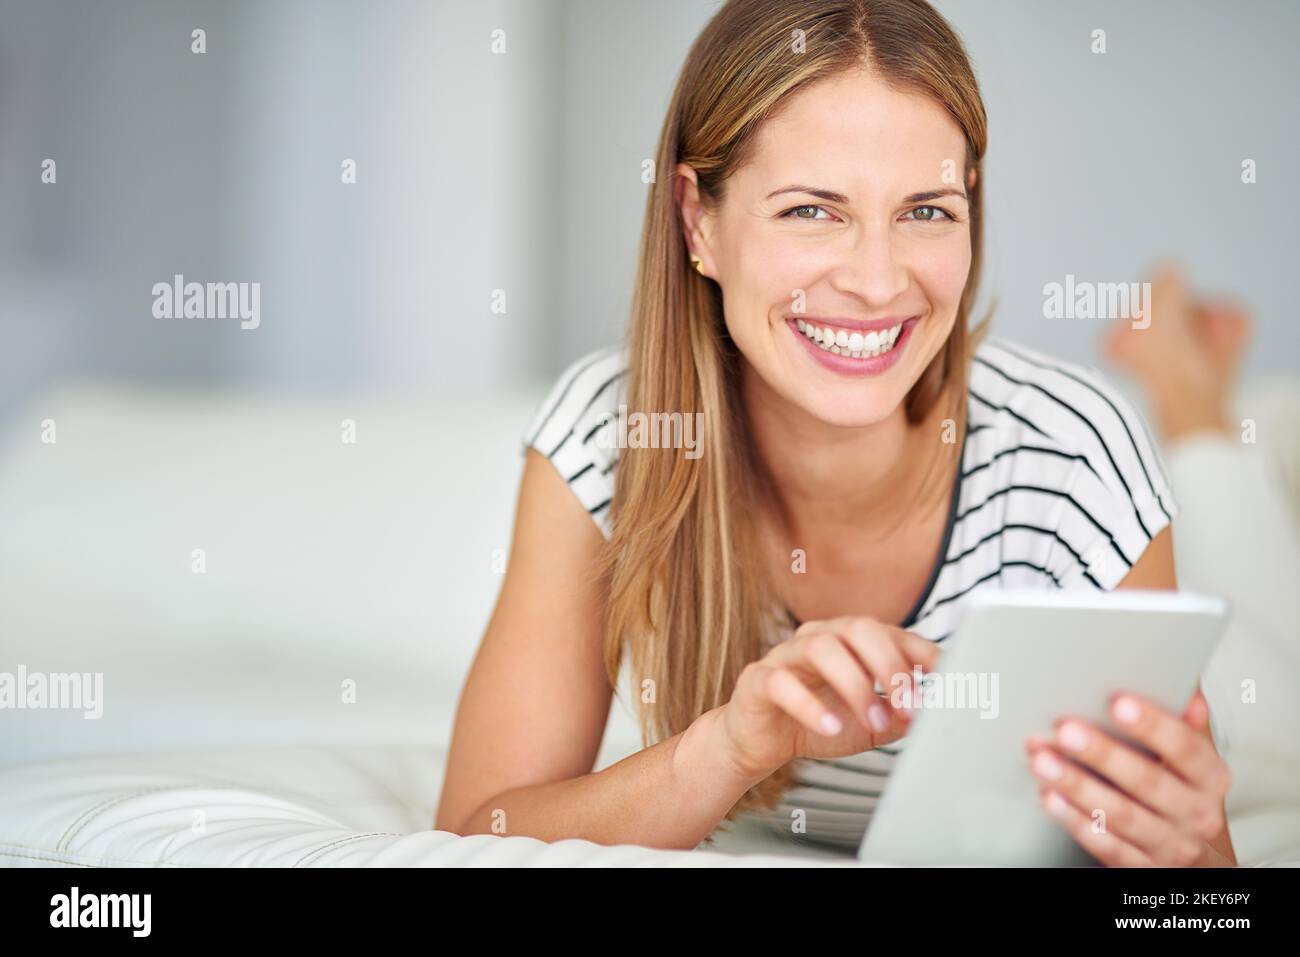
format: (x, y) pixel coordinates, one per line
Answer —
(698, 263)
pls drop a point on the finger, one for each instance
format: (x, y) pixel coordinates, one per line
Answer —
(911, 647)
(853, 633)
(1109, 807)
(1155, 785)
(787, 692)
(794, 650)
(882, 656)
(1035, 741)
(1189, 754)
(921, 651)
(1197, 713)
(844, 673)
(1106, 847)
(1193, 808)
(916, 650)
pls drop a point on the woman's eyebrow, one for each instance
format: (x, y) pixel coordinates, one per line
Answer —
(935, 194)
(832, 197)
(825, 194)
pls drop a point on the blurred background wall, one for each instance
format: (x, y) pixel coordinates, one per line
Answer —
(479, 171)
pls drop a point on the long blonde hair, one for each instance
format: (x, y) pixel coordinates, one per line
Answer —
(689, 601)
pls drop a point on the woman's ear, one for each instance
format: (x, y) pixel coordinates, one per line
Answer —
(971, 178)
(694, 215)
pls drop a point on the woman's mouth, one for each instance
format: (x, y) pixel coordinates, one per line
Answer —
(855, 345)
(869, 349)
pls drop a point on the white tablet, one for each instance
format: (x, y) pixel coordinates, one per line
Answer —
(961, 792)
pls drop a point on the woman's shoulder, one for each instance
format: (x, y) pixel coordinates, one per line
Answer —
(566, 427)
(1039, 399)
(1058, 439)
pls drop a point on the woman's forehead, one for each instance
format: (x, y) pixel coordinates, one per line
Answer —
(855, 127)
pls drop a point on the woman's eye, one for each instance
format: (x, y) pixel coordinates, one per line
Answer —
(799, 209)
(929, 214)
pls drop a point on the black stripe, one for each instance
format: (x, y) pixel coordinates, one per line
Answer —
(837, 789)
(604, 421)
(608, 382)
(993, 574)
(565, 394)
(874, 772)
(1029, 448)
(602, 505)
(795, 805)
(949, 524)
(1124, 422)
(1010, 412)
(1029, 528)
(609, 468)
(1058, 494)
(1088, 422)
(580, 473)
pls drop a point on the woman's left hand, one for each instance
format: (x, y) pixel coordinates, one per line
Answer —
(1164, 812)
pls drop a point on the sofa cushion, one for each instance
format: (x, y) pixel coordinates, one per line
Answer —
(314, 807)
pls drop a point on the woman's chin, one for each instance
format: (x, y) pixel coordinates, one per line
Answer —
(852, 411)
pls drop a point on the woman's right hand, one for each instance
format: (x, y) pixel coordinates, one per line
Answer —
(813, 695)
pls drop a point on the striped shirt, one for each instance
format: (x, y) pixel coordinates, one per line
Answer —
(1060, 486)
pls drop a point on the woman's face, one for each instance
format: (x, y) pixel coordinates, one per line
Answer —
(842, 247)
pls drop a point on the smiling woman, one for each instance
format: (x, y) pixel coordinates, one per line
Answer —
(868, 462)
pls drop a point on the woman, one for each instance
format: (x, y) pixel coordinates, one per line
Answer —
(810, 256)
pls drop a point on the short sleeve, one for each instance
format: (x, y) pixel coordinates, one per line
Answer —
(574, 427)
(1119, 497)
(1114, 499)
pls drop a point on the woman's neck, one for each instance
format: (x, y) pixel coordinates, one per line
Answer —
(828, 479)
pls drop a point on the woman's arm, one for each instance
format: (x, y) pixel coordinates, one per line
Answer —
(530, 720)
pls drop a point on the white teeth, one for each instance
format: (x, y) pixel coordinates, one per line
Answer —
(855, 345)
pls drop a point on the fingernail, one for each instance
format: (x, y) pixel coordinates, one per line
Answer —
(1125, 710)
(1047, 766)
(1073, 736)
(878, 717)
(831, 724)
(1056, 805)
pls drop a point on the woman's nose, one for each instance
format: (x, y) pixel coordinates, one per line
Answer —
(872, 269)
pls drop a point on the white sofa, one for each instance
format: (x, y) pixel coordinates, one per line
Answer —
(228, 736)
(225, 738)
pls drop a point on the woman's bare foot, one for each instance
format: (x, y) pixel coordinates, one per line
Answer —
(1187, 358)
